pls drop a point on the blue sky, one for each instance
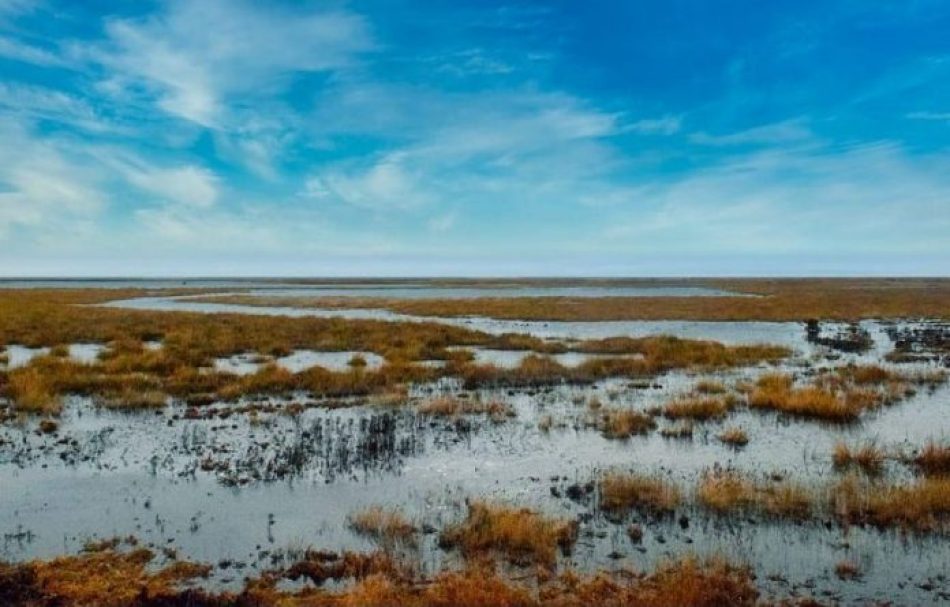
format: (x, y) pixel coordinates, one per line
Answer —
(398, 137)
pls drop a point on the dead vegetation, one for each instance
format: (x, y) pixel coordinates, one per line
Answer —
(734, 436)
(778, 300)
(868, 457)
(699, 408)
(921, 506)
(449, 406)
(622, 491)
(128, 375)
(727, 492)
(113, 579)
(624, 423)
(841, 395)
(386, 525)
(520, 535)
(933, 459)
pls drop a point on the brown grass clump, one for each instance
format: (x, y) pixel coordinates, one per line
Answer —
(920, 506)
(734, 436)
(623, 423)
(708, 386)
(687, 582)
(521, 535)
(31, 392)
(698, 408)
(847, 570)
(388, 526)
(840, 396)
(869, 457)
(933, 459)
(448, 406)
(621, 491)
(729, 492)
(105, 578)
(683, 429)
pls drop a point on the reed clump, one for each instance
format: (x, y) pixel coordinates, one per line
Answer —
(699, 408)
(727, 492)
(522, 536)
(624, 491)
(734, 436)
(449, 406)
(933, 459)
(624, 423)
(921, 506)
(389, 526)
(868, 457)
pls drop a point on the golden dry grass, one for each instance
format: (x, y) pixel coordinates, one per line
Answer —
(520, 535)
(623, 491)
(779, 300)
(103, 578)
(698, 408)
(191, 342)
(96, 579)
(449, 406)
(840, 396)
(933, 459)
(728, 492)
(869, 457)
(734, 436)
(922, 506)
(386, 525)
(624, 423)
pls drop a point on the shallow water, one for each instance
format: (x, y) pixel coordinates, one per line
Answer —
(251, 487)
(285, 482)
(371, 288)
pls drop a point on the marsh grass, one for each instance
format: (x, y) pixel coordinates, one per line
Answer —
(727, 492)
(623, 491)
(933, 459)
(699, 408)
(921, 506)
(734, 436)
(624, 423)
(522, 536)
(841, 395)
(868, 457)
(449, 406)
(386, 525)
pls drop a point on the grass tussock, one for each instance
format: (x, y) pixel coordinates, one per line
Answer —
(31, 392)
(520, 535)
(840, 396)
(868, 457)
(104, 578)
(734, 436)
(933, 459)
(620, 492)
(699, 408)
(388, 526)
(921, 506)
(708, 386)
(624, 423)
(727, 492)
(448, 406)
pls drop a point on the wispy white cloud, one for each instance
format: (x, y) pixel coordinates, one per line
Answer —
(788, 131)
(16, 50)
(200, 57)
(833, 199)
(42, 184)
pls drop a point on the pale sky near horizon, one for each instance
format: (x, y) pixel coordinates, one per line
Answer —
(404, 137)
